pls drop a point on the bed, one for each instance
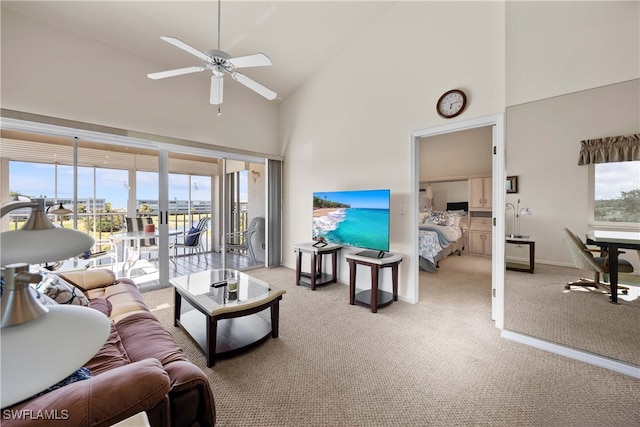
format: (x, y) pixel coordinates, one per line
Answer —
(440, 235)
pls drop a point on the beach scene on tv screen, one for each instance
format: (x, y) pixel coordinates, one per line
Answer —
(352, 218)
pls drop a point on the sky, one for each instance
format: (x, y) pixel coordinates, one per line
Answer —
(613, 178)
(36, 180)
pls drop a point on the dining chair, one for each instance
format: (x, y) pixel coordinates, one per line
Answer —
(583, 258)
(147, 245)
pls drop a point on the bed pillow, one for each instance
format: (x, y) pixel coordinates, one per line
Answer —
(438, 218)
(423, 217)
(61, 291)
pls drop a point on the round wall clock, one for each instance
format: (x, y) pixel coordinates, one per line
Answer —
(451, 103)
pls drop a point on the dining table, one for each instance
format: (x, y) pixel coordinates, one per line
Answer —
(612, 242)
(137, 237)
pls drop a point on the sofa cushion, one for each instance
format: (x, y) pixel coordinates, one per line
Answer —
(103, 305)
(102, 400)
(110, 356)
(125, 299)
(144, 337)
(90, 279)
(61, 291)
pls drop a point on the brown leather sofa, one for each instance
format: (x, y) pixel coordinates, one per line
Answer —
(140, 368)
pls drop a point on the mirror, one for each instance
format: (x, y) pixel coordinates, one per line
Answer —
(543, 143)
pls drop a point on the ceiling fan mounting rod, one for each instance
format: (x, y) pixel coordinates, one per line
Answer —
(219, 1)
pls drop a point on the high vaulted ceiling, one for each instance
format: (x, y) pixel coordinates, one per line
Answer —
(299, 36)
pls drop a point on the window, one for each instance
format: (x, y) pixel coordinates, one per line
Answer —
(617, 192)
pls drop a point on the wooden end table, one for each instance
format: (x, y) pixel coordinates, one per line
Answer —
(532, 255)
(374, 298)
(316, 277)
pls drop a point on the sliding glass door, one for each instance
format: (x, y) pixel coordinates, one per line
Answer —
(173, 187)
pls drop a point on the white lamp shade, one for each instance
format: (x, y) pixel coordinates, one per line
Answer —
(42, 352)
(40, 246)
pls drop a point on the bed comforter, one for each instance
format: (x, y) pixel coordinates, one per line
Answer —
(436, 242)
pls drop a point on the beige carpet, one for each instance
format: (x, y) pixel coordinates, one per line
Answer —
(440, 362)
(539, 305)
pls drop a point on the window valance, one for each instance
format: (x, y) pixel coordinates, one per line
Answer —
(610, 149)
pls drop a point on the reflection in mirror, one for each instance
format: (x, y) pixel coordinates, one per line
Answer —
(543, 145)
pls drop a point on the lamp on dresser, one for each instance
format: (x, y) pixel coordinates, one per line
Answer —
(68, 334)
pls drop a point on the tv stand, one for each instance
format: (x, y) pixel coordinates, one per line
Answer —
(373, 254)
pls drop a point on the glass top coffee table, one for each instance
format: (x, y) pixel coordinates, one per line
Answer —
(227, 317)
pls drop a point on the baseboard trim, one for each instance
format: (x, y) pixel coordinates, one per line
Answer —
(572, 353)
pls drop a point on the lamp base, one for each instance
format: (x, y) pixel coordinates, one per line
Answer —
(517, 236)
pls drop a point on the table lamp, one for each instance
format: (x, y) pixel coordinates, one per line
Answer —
(65, 334)
(517, 213)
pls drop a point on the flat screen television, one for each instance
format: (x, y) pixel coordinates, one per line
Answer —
(357, 218)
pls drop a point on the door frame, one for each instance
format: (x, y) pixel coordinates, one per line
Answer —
(496, 121)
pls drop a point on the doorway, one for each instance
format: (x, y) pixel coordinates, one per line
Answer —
(496, 122)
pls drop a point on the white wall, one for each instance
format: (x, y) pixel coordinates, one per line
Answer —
(466, 152)
(561, 47)
(570, 76)
(349, 127)
(55, 73)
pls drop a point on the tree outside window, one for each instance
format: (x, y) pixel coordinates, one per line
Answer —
(617, 192)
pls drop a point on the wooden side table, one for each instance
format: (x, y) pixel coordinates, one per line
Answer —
(316, 277)
(532, 255)
(374, 297)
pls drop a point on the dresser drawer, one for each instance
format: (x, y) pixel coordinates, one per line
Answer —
(481, 224)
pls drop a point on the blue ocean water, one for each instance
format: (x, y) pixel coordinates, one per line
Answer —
(361, 227)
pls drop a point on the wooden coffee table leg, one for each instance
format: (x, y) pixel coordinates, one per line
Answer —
(275, 316)
(177, 303)
(212, 332)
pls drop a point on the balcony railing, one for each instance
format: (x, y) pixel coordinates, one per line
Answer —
(101, 225)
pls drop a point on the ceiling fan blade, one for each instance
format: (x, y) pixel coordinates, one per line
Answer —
(182, 45)
(217, 85)
(255, 86)
(255, 60)
(171, 73)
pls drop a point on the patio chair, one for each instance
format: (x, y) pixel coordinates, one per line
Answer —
(241, 240)
(144, 245)
(98, 253)
(192, 240)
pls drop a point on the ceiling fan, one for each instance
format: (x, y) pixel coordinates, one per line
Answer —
(220, 63)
